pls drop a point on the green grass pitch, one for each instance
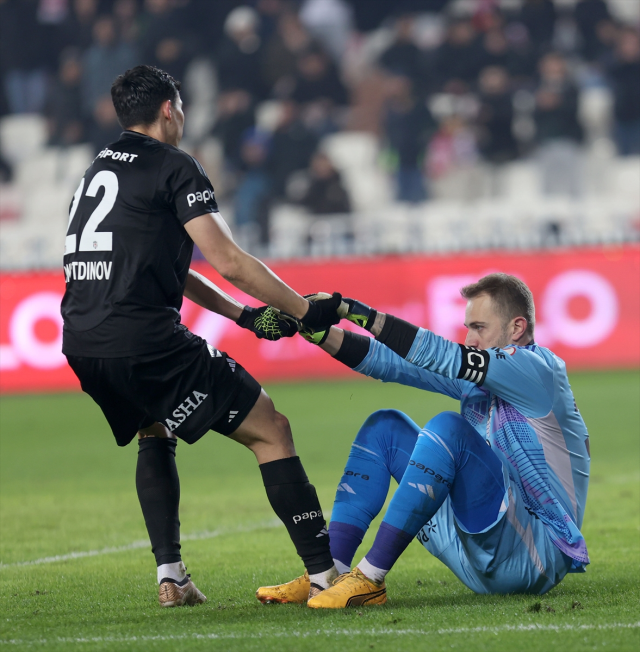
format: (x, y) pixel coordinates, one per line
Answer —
(68, 502)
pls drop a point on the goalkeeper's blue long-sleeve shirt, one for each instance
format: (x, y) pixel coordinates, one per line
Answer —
(520, 400)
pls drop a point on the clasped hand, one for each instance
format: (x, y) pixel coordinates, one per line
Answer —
(325, 310)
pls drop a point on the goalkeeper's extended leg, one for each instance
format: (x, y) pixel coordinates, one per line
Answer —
(381, 450)
(449, 458)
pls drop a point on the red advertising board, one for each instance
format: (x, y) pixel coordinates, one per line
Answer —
(587, 300)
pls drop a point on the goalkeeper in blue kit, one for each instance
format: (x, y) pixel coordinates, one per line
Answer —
(497, 492)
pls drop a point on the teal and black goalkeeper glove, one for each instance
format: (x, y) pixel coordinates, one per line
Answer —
(268, 323)
(360, 313)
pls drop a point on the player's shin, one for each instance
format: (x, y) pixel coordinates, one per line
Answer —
(293, 498)
(345, 540)
(359, 498)
(424, 487)
(380, 451)
(158, 489)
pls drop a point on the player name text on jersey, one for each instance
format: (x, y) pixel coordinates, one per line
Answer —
(91, 271)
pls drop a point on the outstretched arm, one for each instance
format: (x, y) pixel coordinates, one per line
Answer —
(212, 235)
(264, 322)
(370, 358)
(520, 376)
(207, 295)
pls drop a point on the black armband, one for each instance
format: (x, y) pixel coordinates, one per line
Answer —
(353, 350)
(475, 364)
(398, 335)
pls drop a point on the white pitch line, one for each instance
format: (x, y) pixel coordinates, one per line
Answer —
(324, 632)
(272, 523)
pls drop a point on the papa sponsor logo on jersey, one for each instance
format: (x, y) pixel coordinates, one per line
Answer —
(193, 197)
(185, 409)
(91, 271)
(436, 476)
(364, 476)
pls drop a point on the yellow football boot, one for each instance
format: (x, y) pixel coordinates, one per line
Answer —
(350, 590)
(296, 591)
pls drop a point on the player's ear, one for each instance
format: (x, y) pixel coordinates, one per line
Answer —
(519, 328)
(166, 110)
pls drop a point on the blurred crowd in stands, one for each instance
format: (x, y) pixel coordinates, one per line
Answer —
(442, 84)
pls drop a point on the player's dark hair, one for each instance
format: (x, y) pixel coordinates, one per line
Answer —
(510, 295)
(138, 94)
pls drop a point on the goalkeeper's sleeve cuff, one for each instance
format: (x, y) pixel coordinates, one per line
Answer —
(354, 349)
(398, 335)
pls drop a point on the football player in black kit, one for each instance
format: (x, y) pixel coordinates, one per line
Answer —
(132, 224)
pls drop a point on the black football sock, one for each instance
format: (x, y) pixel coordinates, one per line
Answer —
(158, 488)
(294, 500)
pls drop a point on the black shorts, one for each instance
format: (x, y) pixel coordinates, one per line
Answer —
(190, 388)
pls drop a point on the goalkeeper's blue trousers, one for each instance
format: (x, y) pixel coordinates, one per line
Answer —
(453, 496)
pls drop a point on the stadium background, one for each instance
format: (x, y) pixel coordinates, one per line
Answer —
(392, 151)
(358, 145)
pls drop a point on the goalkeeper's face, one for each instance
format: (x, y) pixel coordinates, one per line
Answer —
(486, 326)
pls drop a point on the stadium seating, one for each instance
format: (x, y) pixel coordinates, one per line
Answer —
(36, 204)
(516, 215)
(22, 136)
(355, 155)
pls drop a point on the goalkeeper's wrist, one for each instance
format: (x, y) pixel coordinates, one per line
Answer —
(353, 350)
(318, 338)
(398, 335)
(371, 320)
(361, 314)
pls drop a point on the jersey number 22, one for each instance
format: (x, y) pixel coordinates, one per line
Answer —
(91, 240)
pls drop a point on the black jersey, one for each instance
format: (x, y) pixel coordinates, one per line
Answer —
(127, 253)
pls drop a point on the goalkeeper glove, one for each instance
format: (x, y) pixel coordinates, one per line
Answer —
(361, 314)
(268, 323)
(324, 311)
(317, 337)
